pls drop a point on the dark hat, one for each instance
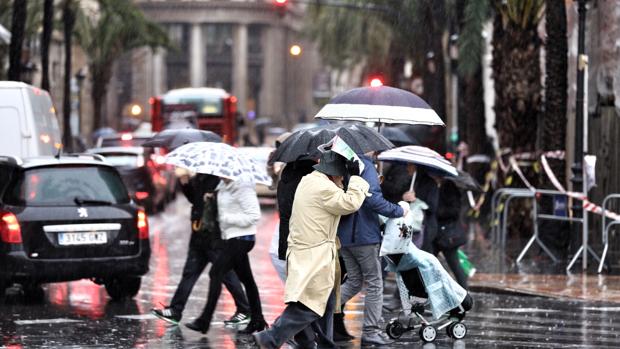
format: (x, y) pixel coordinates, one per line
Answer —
(331, 164)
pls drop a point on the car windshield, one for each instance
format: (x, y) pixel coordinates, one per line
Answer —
(49, 186)
(123, 159)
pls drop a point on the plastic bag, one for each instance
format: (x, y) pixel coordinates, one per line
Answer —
(399, 231)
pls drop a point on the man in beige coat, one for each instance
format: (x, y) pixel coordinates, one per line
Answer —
(312, 252)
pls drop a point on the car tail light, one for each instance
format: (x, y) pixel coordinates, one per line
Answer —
(143, 225)
(10, 231)
(141, 195)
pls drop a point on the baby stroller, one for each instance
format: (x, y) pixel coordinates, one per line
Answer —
(423, 281)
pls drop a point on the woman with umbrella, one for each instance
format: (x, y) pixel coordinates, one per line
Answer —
(238, 215)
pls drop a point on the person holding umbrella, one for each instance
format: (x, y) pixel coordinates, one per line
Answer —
(238, 213)
(204, 248)
(360, 236)
(319, 203)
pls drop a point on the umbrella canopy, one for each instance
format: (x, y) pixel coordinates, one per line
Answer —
(398, 136)
(218, 159)
(420, 156)
(174, 138)
(382, 104)
(466, 182)
(304, 143)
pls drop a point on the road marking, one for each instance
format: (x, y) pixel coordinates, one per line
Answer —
(45, 321)
(602, 308)
(526, 310)
(137, 317)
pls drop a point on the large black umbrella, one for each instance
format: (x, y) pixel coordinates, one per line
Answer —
(303, 144)
(398, 136)
(383, 104)
(172, 139)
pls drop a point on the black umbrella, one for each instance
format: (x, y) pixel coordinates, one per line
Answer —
(465, 181)
(398, 136)
(303, 143)
(175, 138)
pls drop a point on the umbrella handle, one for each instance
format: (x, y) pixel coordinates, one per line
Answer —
(413, 180)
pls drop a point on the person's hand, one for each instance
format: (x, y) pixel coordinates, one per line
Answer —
(353, 167)
(409, 196)
(405, 207)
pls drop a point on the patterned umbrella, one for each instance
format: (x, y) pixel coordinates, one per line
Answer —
(420, 156)
(382, 104)
(304, 143)
(218, 159)
(174, 138)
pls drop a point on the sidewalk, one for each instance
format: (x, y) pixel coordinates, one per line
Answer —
(537, 275)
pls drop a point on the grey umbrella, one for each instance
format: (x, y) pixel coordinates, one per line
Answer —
(398, 136)
(174, 138)
(466, 182)
(303, 144)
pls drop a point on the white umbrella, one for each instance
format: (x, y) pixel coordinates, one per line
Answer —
(420, 156)
(218, 159)
(5, 35)
(381, 104)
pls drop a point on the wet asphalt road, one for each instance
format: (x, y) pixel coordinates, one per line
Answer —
(80, 314)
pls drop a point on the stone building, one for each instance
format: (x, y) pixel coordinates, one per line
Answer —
(242, 46)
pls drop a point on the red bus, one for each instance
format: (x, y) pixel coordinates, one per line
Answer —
(211, 109)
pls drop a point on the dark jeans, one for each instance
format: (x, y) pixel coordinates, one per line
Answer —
(452, 258)
(196, 262)
(235, 257)
(295, 322)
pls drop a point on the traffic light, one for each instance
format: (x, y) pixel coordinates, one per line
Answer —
(376, 82)
(281, 6)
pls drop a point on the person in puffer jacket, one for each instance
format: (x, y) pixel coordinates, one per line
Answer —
(238, 215)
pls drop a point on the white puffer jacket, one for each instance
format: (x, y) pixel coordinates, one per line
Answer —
(238, 209)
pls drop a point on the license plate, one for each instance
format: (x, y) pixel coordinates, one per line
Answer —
(83, 238)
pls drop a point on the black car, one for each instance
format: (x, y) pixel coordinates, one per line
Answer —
(147, 182)
(70, 218)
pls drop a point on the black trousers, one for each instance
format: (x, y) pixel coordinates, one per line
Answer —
(197, 260)
(234, 258)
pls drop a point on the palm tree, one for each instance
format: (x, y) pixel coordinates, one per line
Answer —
(516, 72)
(46, 37)
(118, 27)
(18, 25)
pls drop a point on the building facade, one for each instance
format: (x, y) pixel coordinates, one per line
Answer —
(242, 46)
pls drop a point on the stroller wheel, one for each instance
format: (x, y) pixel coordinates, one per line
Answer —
(428, 333)
(394, 329)
(457, 330)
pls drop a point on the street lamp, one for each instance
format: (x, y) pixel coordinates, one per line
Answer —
(577, 167)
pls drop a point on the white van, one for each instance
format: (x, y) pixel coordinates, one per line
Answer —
(28, 123)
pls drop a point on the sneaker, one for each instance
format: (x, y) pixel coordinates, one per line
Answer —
(167, 314)
(238, 319)
(377, 338)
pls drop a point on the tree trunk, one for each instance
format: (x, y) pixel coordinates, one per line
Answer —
(554, 121)
(68, 18)
(18, 25)
(46, 37)
(99, 82)
(434, 72)
(516, 74)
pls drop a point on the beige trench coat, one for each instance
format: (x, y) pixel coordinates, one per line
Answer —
(312, 252)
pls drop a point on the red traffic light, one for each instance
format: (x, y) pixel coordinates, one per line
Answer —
(280, 2)
(376, 82)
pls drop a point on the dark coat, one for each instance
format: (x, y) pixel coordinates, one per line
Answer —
(427, 190)
(289, 180)
(362, 227)
(194, 191)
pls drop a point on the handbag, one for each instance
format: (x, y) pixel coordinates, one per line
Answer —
(450, 236)
(399, 232)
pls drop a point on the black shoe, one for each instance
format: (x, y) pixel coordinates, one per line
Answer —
(340, 332)
(167, 314)
(198, 326)
(254, 326)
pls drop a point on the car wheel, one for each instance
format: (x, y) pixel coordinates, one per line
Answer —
(123, 287)
(33, 293)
